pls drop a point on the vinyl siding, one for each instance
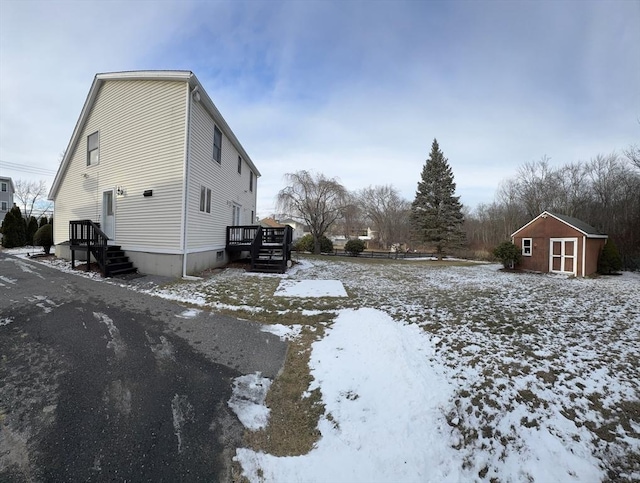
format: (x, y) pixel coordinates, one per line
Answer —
(208, 230)
(142, 127)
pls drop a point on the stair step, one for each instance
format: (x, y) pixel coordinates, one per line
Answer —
(122, 271)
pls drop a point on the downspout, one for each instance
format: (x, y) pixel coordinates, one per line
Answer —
(185, 201)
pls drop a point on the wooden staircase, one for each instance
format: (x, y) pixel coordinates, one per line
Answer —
(270, 248)
(117, 263)
(86, 236)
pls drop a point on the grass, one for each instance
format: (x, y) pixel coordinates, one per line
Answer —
(521, 348)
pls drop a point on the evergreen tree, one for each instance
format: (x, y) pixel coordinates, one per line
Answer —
(436, 213)
(32, 228)
(609, 261)
(13, 229)
(43, 221)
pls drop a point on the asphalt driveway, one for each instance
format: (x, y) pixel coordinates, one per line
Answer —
(101, 383)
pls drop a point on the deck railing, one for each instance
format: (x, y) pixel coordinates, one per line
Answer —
(241, 235)
(86, 235)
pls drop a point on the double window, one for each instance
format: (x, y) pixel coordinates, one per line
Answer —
(93, 149)
(205, 199)
(217, 144)
(527, 247)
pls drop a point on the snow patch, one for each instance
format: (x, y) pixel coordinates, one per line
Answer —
(385, 397)
(247, 400)
(285, 332)
(310, 288)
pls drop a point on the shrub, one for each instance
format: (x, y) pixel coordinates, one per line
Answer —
(32, 228)
(354, 247)
(305, 244)
(44, 237)
(609, 260)
(508, 254)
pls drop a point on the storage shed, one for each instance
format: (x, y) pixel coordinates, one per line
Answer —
(559, 244)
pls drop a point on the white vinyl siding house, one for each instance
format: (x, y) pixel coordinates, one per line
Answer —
(155, 132)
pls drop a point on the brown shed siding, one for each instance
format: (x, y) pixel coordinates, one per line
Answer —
(546, 228)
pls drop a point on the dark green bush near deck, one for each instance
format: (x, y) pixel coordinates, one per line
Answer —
(44, 237)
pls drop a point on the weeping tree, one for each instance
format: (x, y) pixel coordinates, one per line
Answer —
(314, 198)
(436, 213)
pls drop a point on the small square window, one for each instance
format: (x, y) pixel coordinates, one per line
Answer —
(93, 149)
(527, 247)
(217, 144)
(219, 256)
(239, 165)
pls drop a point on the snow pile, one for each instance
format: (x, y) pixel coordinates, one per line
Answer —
(247, 400)
(310, 288)
(385, 397)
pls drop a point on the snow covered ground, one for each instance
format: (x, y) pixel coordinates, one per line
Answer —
(432, 373)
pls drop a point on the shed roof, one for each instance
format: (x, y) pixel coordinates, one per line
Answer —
(584, 228)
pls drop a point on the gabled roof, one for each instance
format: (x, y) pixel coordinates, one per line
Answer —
(581, 226)
(161, 75)
(270, 223)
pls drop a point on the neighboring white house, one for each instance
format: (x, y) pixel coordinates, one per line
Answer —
(299, 229)
(154, 162)
(6, 196)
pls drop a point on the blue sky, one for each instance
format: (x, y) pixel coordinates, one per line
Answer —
(355, 89)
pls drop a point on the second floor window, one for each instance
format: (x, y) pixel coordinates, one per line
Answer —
(93, 149)
(250, 180)
(217, 144)
(239, 165)
(4, 186)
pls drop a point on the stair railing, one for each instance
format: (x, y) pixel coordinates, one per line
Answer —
(88, 233)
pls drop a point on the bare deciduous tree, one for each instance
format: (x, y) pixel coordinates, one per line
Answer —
(29, 193)
(388, 214)
(314, 198)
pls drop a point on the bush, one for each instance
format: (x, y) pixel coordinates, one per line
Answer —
(354, 247)
(609, 260)
(32, 228)
(305, 244)
(44, 237)
(508, 254)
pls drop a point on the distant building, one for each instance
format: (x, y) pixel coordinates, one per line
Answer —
(6, 196)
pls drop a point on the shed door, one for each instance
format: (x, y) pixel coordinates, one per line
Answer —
(563, 255)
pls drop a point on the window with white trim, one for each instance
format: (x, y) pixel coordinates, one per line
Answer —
(217, 144)
(4, 206)
(93, 149)
(4, 186)
(205, 199)
(527, 246)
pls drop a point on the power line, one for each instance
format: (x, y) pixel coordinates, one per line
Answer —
(25, 168)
